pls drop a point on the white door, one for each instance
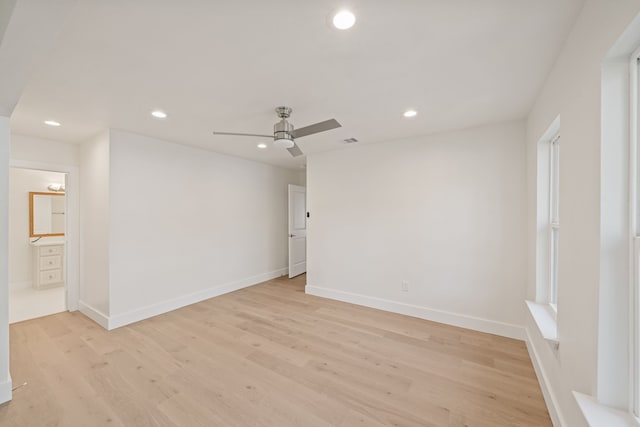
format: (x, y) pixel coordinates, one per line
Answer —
(297, 230)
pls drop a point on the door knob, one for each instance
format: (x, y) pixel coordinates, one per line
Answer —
(292, 235)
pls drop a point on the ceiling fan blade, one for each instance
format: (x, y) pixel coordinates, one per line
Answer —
(295, 150)
(242, 134)
(316, 128)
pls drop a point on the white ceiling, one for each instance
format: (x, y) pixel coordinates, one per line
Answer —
(224, 65)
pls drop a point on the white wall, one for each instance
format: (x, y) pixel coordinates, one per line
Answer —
(21, 182)
(165, 225)
(94, 225)
(33, 149)
(573, 91)
(444, 212)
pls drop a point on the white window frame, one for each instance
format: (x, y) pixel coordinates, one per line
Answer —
(554, 220)
(634, 238)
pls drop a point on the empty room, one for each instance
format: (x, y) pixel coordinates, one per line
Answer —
(320, 213)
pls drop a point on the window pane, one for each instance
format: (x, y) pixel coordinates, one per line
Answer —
(636, 314)
(553, 296)
(555, 181)
(637, 148)
(554, 217)
(636, 255)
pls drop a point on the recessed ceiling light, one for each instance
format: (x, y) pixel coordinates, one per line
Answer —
(344, 20)
(51, 123)
(410, 113)
(262, 145)
(159, 114)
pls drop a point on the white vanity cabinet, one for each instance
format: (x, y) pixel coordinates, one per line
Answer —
(48, 266)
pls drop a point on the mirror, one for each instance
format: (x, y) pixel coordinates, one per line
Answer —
(46, 214)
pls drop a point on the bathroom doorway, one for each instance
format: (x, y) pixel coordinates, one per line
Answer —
(37, 243)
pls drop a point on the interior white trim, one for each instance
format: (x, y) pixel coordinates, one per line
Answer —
(118, 320)
(5, 391)
(94, 314)
(634, 240)
(549, 396)
(544, 317)
(598, 415)
(464, 321)
(127, 318)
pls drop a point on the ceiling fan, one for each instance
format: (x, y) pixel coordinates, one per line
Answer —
(284, 134)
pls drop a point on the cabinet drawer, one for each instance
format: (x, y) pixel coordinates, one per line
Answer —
(50, 250)
(50, 262)
(50, 276)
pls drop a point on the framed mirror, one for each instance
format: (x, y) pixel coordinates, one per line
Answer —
(46, 214)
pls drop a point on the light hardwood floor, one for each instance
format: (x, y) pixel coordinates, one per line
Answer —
(268, 355)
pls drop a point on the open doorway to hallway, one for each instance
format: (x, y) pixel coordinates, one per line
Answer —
(37, 223)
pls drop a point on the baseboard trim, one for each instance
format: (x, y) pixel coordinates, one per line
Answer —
(119, 320)
(94, 314)
(547, 393)
(469, 322)
(5, 391)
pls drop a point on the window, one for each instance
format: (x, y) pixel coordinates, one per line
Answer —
(554, 218)
(544, 309)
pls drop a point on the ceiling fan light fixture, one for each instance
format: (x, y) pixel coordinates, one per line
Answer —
(281, 142)
(283, 130)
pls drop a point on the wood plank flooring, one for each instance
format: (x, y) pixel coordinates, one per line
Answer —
(268, 355)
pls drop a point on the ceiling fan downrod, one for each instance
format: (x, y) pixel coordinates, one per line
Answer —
(284, 112)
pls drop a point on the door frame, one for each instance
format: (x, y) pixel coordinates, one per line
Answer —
(72, 227)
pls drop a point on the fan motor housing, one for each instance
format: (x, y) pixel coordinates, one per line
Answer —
(282, 134)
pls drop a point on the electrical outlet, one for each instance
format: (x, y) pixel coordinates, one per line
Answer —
(405, 286)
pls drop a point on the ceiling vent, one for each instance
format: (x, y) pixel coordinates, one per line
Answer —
(349, 140)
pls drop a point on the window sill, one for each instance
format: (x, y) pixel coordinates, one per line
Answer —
(545, 318)
(598, 415)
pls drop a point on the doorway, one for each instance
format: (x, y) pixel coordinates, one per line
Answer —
(297, 230)
(37, 243)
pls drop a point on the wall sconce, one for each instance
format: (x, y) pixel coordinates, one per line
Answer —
(58, 188)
